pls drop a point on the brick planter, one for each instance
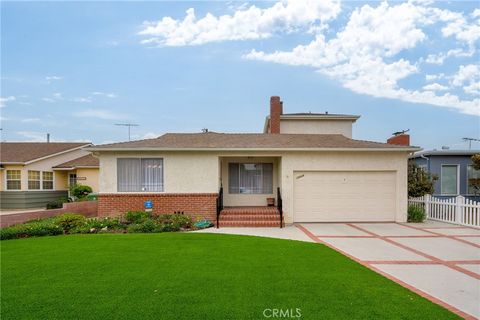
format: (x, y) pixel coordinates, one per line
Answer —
(197, 205)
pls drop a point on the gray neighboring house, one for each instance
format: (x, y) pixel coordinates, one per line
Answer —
(454, 170)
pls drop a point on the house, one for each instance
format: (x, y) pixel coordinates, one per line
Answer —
(454, 170)
(34, 173)
(307, 162)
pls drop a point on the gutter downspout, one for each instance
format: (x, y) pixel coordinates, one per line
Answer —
(428, 161)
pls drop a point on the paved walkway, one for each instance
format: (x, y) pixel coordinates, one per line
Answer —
(436, 260)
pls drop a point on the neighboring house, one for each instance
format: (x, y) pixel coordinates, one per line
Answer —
(454, 169)
(34, 173)
(321, 174)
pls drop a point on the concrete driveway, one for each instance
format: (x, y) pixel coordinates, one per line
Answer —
(436, 260)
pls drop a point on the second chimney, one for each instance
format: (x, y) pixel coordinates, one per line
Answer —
(400, 139)
(276, 109)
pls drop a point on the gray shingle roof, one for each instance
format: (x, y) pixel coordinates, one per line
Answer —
(21, 152)
(212, 140)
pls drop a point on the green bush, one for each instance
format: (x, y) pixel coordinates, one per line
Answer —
(68, 221)
(80, 191)
(56, 204)
(147, 226)
(415, 214)
(175, 222)
(35, 228)
(96, 225)
(137, 217)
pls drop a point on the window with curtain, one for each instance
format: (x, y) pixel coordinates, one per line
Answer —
(137, 174)
(47, 180)
(33, 180)
(449, 180)
(14, 180)
(473, 180)
(72, 179)
(251, 178)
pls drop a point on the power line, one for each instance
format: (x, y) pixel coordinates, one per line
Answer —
(470, 142)
(129, 125)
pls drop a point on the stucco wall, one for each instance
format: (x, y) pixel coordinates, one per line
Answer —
(343, 127)
(199, 172)
(91, 177)
(345, 161)
(183, 172)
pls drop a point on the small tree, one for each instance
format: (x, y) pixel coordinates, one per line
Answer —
(79, 191)
(475, 183)
(420, 182)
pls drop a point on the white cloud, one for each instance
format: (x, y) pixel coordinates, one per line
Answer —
(33, 136)
(49, 100)
(464, 29)
(468, 77)
(441, 57)
(50, 79)
(105, 94)
(244, 24)
(30, 120)
(431, 77)
(5, 100)
(83, 100)
(435, 87)
(362, 55)
(100, 114)
(151, 135)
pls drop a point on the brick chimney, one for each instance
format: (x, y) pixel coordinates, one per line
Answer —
(276, 109)
(401, 139)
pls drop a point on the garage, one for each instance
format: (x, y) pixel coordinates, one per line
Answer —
(344, 196)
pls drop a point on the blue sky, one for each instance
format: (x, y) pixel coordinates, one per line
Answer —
(75, 69)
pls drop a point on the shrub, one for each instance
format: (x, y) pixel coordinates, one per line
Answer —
(175, 222)
(137, 217)
(36, 228)
(96, 225)
(56, 204)
(68, 221)
(146, 226)
(80, 191)
(415, 214)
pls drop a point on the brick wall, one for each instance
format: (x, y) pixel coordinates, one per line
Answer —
(198, 205)
(86, 208)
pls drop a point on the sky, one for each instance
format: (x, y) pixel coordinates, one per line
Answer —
(75, 69)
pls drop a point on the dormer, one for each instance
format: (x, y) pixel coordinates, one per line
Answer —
(307, 123)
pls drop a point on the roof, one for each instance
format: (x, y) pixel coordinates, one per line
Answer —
(444, 153)
(24, 152)
(247, 142)
(88, 161)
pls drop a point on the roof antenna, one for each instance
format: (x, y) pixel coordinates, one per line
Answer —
(48, 137)
(205, 130)
(400, 132)
(470, 142)
(129, 125)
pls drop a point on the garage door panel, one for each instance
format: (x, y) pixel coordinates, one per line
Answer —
(344, 196)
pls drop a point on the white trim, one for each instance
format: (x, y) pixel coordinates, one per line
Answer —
(75, 168)
(6, 180)
(41, 181)
(140, 149)
(458, 179)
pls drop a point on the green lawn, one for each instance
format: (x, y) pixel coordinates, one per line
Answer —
(193, 276)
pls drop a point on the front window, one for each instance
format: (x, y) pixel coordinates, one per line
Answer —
(473, 180)
(14, 179)
(449, 180)
(134, 174)
(33, 180)
(72, 179)
(252, 178)
(47, 182)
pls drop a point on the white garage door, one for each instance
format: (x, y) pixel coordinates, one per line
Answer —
(327, 196)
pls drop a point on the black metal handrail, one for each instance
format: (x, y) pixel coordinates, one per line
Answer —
(219, 204)
(280, 206)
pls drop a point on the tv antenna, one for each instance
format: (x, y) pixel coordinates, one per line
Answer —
(129, 125)
(470, 142)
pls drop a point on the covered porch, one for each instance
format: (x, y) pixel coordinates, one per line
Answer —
(249, 192)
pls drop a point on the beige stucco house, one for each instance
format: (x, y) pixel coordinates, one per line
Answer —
(307, 162)
(34, 173)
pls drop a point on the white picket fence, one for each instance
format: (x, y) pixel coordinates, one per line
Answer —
(458, 210)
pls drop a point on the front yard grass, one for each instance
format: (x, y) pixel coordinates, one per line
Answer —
(193, 276)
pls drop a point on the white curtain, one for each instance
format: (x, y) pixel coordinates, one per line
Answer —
(256, 178)
(139, 174)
